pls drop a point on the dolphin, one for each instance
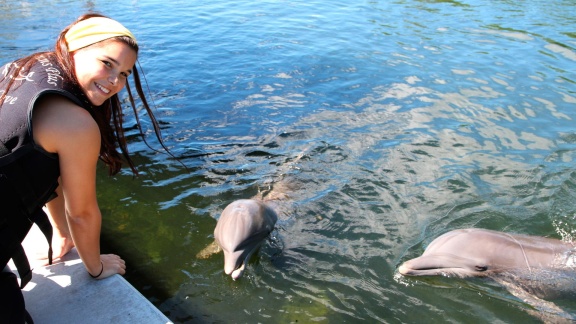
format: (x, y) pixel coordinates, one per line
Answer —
(479, 252)
(241, 229)
(244, 224)
(530, 267)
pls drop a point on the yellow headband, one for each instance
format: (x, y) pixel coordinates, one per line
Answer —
(94, 30)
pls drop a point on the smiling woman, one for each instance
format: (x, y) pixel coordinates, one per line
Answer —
(50, 159)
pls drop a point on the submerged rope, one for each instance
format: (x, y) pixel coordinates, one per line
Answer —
(523, 252)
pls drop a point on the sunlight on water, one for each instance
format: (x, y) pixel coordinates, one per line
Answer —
(412, 118)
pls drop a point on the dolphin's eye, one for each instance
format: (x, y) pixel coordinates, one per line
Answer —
(481, 268)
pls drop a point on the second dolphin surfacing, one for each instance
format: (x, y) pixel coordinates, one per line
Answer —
(478, 252)
(241, 229)
(530, 267)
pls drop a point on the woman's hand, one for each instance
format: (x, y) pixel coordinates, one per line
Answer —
(111, 265)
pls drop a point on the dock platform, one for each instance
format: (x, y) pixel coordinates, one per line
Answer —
(65, 293)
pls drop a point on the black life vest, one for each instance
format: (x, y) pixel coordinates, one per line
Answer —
(28, 174)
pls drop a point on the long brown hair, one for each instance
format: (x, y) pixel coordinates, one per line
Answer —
(108, 116)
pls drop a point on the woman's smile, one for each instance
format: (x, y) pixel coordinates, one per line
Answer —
(103, 89)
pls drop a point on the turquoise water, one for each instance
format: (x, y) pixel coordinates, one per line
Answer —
(414, 117)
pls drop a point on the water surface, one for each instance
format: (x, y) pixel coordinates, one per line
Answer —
(414, 117)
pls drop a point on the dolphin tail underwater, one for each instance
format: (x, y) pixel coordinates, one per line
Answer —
(241, 230)
(209, 250)
(529, 267)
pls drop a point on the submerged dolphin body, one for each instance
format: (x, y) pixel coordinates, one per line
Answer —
(528, 266)
(241, 229)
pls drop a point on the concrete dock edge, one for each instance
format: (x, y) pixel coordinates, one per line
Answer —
(65, 293)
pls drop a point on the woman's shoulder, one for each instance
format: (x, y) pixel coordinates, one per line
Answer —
(63, 111)
(58, 122)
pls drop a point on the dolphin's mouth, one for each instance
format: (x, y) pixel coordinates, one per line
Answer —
(241, 262)
(460, 272)
(448, 265)
(427, 266)
(421, 271)
(237, 273)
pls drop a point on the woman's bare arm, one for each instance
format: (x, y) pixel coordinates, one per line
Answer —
(64, 128)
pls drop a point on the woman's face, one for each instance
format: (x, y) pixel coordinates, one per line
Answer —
(102, 69)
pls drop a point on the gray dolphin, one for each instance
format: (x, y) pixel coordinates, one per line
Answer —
(480, 252)
(241, 229)
(528, 266)
(245, 223)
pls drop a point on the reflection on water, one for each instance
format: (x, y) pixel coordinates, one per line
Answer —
(415, 118)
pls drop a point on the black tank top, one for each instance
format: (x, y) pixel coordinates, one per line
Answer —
(28, 174)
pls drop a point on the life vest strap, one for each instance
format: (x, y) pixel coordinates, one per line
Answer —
(23, 266)
(19, 181)
(44, 225)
